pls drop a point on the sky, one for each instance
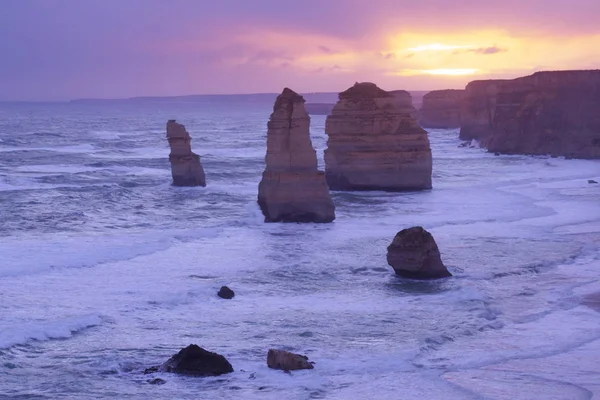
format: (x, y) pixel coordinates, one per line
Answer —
(65, 49)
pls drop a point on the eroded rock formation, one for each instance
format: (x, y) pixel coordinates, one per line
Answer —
(550, 112)
(195, 361)
(478, 110)
(186, 168)
(441, 109)
(414, 254)
(284, 360)
(292, 189)
(405, 102)
(374, 144)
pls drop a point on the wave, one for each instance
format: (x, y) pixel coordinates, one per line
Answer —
(25, 332)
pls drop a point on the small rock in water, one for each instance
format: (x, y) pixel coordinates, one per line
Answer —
(414, 254)
(284, 360)
(496, 154)
(591, 181)
(156, 381)
(226, 293)
(195, 361)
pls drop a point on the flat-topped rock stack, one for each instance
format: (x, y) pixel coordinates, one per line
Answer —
(441, 109)
(292, 189)
(186, 168)
(550, 112)
(374, 144)
(404, 99)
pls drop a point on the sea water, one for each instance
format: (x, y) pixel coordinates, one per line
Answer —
(107, 269)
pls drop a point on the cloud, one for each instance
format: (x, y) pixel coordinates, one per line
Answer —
(326, 50)
(488, 50)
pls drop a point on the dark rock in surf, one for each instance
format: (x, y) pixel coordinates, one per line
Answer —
(156, 381)
(286, 361)
(195, 361)
(226, 293)
(591, 181)
(414, 254)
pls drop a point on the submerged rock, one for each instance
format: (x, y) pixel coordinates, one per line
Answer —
(284, 360)
(156, 381)
(225, 293)
(375, 144)
(195, 361)
(414, 254)
(591, 181)
(292, 189)
(186, 168)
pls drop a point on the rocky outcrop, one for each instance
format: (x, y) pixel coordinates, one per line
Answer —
(414, 254)
(441, 109)
(226, 293)
(319, 108)
(404, 100)
(185, 165)
(292, 189)
(478, 109)
(195, 361)
(551, 112)
(374, 144)
(284, 360)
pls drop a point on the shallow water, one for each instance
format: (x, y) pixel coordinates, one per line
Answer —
(106, 269)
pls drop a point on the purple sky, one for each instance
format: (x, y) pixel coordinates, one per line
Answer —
(63, 49)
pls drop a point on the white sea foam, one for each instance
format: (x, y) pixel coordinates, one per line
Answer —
(23, 332)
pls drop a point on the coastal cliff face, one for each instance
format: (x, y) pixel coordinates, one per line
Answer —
(374, 144)
(186, 168)
(550, 112)
(441, 109)
(292, 189)
(478, 110)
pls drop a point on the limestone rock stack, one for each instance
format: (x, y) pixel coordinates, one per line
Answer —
(550, 112)
(478, 110)
(441, 109)
(405, 101)
(185, 165)
(374, 144)
(292, 189)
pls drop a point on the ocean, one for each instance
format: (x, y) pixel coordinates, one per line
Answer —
(107, 269)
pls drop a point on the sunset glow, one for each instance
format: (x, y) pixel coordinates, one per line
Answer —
(236, 46)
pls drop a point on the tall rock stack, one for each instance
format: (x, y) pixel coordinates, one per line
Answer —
(375, 144)
(185, 165)
(292, 189)
(405, 101)
(549, 112)
(441, 109)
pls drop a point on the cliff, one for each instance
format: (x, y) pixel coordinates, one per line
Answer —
(478, 110)
(186, 168)
(441, 109)
(550, 112)
(292, 189)
(374, 144)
